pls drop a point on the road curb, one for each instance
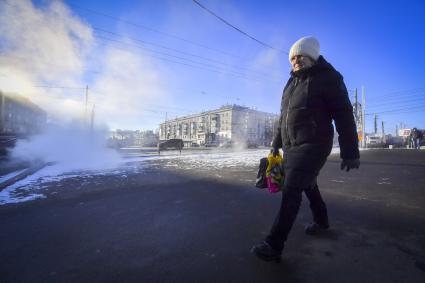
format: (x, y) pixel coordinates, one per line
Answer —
(29, 171)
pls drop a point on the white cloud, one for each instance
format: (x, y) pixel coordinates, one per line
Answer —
(43, 46)
(50, 45)
(71, 146)
(128, 90)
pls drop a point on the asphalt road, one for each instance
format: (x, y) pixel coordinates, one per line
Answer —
(177, 225)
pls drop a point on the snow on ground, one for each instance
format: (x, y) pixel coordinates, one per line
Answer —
(29, 188)
(213, 159)
(11, 175)
(217, 159)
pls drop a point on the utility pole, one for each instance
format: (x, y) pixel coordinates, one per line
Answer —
(165, 127)
(376, 123)
(358, 119)
(86, 108)
(355, 106)
(383, 132)
(363, 118)
(2, 112)
(190, 132)
(92, 118)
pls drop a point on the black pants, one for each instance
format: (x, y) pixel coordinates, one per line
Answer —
(301, 171)
(291, 201)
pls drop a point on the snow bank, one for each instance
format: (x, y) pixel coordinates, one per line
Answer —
(29, 188)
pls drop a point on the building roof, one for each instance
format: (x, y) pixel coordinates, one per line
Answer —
(22, 100)
(222, 108)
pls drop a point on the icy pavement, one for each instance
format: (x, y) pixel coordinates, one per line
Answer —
(31, 187)
(214, 160)
(11, 175)
(28, 188)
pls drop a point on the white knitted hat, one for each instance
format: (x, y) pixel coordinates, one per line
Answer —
(308, 46)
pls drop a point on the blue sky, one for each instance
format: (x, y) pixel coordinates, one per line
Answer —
(150, 60)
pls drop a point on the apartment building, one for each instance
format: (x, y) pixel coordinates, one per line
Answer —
(229, 123)
(19, 116)
(122, 138)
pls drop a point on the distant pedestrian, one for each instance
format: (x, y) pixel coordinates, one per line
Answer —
(414, 138)
(420, 138)
(408, 141)
(314, 95)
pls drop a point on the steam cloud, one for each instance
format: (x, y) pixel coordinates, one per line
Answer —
(51, 46)
(71, 147)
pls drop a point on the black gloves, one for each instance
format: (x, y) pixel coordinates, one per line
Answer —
(350, 164)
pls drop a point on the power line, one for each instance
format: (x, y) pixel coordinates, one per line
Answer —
(386, 102)
(157, 52)
(160, 108)
(401, 98)
(397, 93)
(198, 67)
(181, 52)
(62, 87)
(127, 50)
(60, 97)
(207, 67)
(388, 110)
(390, 105)
(157, 107)
(82, 88)
(150, 107)
(404, 97)
(156, 31)
(405, 112)
(397, 110)
(229, 98)
(397, 103)
(238, 29)
(153, 30)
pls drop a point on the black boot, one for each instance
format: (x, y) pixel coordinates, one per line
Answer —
(265, 252)
(315, 228)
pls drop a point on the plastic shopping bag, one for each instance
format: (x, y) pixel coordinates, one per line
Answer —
(274, 173)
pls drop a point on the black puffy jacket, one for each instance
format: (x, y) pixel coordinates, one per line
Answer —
(311, 99)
